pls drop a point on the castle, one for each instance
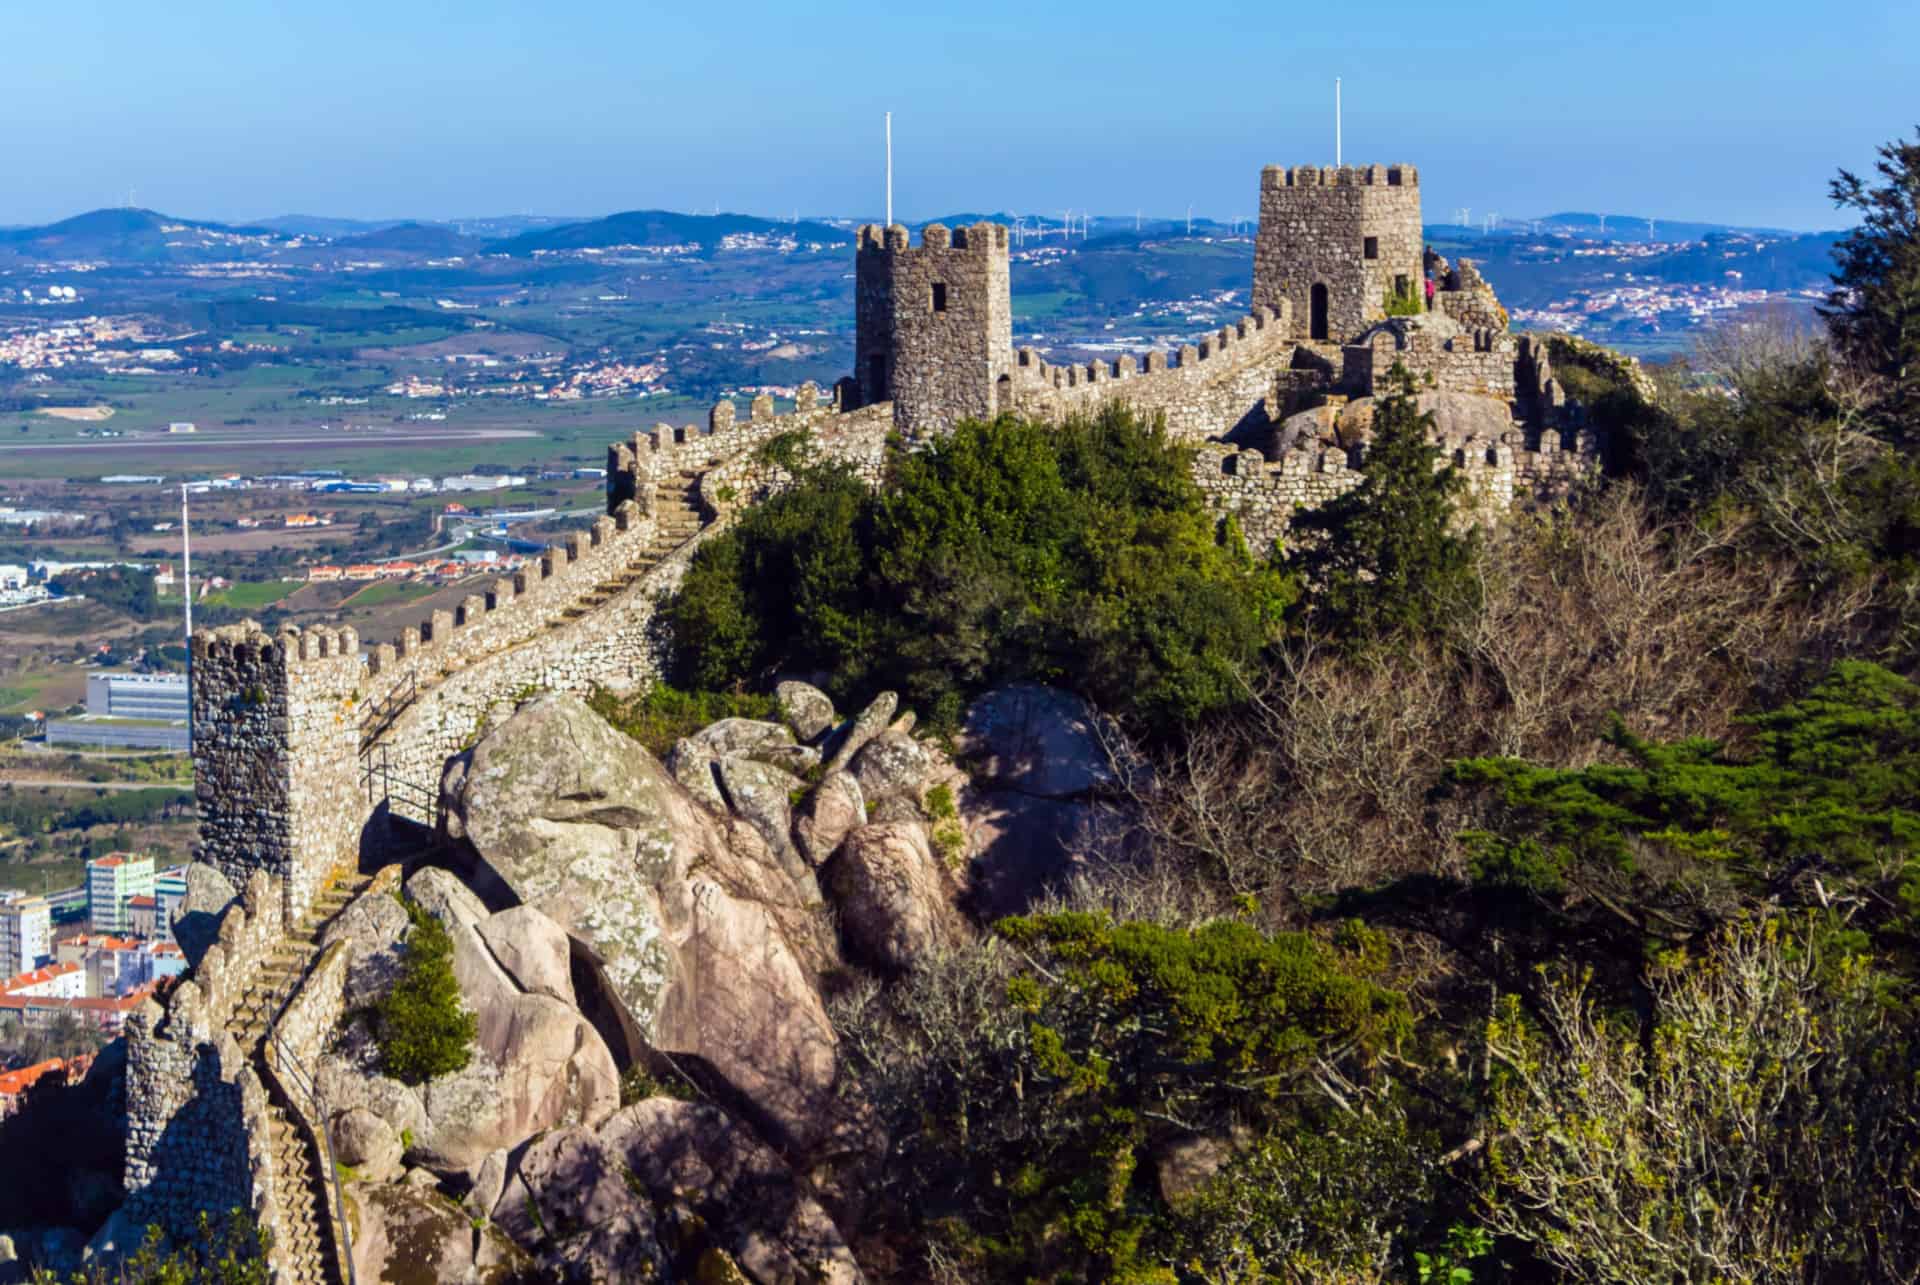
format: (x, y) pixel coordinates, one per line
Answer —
(315, 753)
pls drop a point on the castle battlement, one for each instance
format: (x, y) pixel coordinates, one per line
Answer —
(1515, 467)
(1283, 176)
(977, 238)
(933, 324)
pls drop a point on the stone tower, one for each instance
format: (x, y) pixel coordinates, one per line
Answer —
(1336, 243)
(934, 324)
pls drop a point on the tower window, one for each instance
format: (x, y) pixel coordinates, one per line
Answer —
(1370, 248)
(939, 296)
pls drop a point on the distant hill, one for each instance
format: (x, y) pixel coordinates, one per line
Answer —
(131, 235)
(325, 226)
(662, 227)
(414, 238)
(1633, 227)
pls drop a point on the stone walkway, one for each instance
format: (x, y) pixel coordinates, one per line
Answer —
(677, 516)
(308, 1239)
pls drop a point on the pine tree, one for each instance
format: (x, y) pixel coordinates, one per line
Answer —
(424, 1029)
(1384, 558)
(1873, 310)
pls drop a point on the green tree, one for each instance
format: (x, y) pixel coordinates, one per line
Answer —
(1821, 808)
(1030, 1099)
(1385, 557)
(1874, 308)
(1080, 554)
(423, 1028)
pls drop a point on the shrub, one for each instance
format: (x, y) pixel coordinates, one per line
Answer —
(1080, 554)
(231, 1250)
(423, 1029)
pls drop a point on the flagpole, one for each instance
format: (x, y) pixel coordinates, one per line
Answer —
(186, 594)
(889, 169)
(1336, 121)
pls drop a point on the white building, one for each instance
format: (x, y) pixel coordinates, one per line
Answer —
(112, 882)
(26, 933)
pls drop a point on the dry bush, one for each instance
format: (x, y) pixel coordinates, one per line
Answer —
(1327, 780)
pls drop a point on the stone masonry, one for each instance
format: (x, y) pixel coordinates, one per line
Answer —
(302, 739)
(308, 743)
(1335, 243)
(933, 324)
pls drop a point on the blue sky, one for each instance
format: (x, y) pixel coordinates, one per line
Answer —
(231, 109)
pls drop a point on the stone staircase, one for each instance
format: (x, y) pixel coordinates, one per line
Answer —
(677, 514)
(306, 1235)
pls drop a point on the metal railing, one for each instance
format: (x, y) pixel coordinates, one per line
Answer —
(382, 711)
(384, 785)
(313, 1117)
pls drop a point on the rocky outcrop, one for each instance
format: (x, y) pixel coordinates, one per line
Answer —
(376, 926)
(807, 709)
(1040, 741)
(409, 1233)
(892, 765)
(834, 809)
(537, 1063)
(762, 796)
(196, 920)
(870, 723)
(1037, 765)
(532, 949)
(711, 936)
(367, 1144)
(897, 903)
(668, 1181)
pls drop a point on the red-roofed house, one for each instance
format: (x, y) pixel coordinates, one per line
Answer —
(14, 1084)
(65, 980)
(143, 916)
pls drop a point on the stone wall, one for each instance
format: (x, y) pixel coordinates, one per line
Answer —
(275, 726)
(1317, 227)
(933, 324)
(197, 1134)
(1440, 356)
(1517, 468)
(1229, 381)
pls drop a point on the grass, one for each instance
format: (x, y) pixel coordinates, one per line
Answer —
(248, 595)
(383, 592)
(41, 877)
(50, 690)
(1046, 303)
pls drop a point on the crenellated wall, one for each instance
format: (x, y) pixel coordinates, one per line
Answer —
(1440, 355)
(1230, 380)
(301, 739)
(274, 750)
(1516, 468)
(197, 1132)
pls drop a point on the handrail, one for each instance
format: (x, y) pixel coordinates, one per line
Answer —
(382, 785)
(343, 1243)
(384, 711)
